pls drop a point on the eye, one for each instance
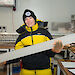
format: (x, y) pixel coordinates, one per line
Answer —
(30, 17)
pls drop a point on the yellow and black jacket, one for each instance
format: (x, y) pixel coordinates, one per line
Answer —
(30, 36)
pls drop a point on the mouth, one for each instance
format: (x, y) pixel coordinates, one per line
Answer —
(29, 25)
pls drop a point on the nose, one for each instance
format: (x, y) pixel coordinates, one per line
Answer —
(28, 19)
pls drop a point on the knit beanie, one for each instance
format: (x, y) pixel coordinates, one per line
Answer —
(28, 13)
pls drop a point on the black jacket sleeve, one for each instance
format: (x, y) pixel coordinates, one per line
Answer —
(13, 61)
(50, 53)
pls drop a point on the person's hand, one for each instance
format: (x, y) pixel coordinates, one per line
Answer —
(3, 63)
(58, 46)
(67, 46)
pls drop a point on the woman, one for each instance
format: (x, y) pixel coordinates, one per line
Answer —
(31, 33)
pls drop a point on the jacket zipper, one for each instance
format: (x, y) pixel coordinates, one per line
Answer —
(31, 35)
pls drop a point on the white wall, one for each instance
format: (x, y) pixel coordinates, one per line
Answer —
(47, 10)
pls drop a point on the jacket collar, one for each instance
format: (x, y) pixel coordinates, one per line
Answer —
(33, 28)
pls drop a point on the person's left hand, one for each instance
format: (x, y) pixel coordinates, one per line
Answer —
(58, 46)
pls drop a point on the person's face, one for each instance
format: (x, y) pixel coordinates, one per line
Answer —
(29, 21)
